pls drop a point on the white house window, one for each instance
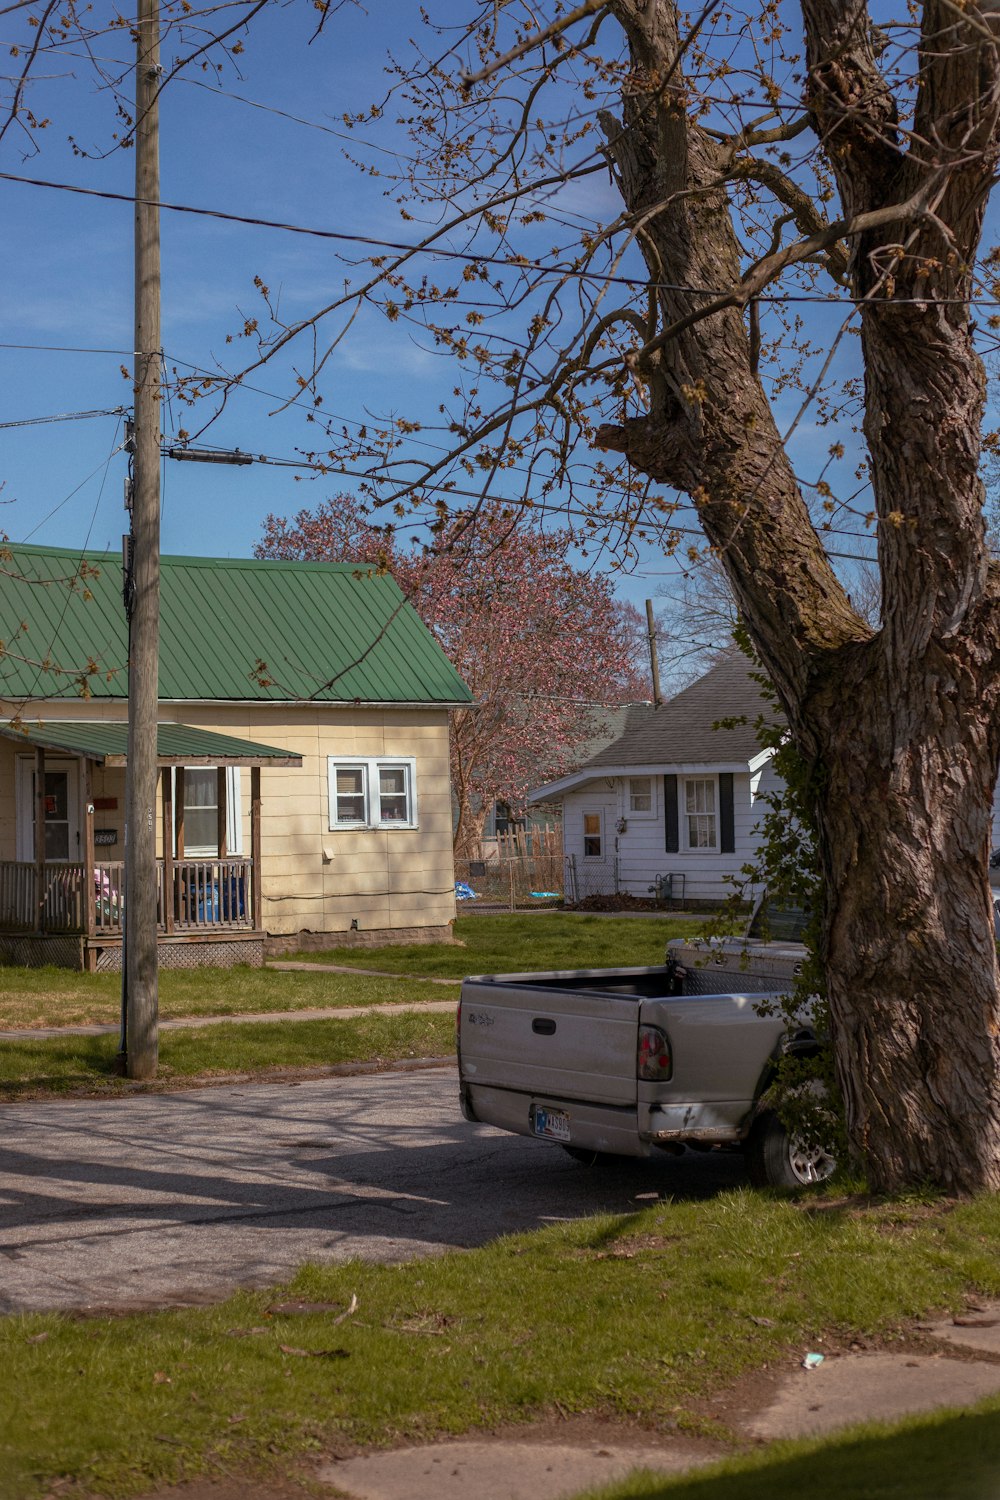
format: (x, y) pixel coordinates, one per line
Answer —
(372, 793)
(350, 796)
(394, 794)
(700, 819)
(592, 842)
(640, 796)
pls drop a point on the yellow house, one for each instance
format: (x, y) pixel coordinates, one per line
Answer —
(304, 793)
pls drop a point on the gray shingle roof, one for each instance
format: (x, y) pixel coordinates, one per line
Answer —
(680, 731)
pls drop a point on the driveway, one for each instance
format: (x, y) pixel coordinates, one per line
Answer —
(161, 1198)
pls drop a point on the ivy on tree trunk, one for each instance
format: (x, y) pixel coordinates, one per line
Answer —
(898, 726)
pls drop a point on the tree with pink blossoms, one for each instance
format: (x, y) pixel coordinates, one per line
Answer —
(538, 639)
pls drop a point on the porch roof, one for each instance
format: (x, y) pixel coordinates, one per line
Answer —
(176, 744)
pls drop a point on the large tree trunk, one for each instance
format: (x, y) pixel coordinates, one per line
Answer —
(904, 823)
(897, 728)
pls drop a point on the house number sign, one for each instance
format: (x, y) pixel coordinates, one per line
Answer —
(105, 836)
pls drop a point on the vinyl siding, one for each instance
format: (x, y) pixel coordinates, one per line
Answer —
(641, 851)
(314, 877)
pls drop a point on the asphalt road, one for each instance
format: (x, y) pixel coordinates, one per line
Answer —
(180, 1198)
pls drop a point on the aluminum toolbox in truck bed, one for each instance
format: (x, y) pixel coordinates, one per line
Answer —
(768, 958)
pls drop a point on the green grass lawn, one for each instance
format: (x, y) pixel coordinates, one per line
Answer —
(643, 1315)
(512, 944)
(557, 940)
(61, 997)
(65, 1064)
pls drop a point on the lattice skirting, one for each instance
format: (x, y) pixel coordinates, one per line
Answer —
(249, 951)
(32, 952)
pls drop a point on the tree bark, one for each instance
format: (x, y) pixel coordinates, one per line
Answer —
(897, 727)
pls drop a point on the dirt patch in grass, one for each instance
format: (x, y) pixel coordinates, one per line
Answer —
(634, 1244)
(617, 903)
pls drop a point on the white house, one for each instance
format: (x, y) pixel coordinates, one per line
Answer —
(673, 796)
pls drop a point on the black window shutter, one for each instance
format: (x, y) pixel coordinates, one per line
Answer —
(727, 829)
(670, 814)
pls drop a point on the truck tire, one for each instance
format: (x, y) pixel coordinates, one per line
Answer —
(779, 1160)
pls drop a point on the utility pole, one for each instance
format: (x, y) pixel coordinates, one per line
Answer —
(139, 956)
(654, 662)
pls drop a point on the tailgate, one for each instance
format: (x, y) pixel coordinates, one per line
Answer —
(561, 1044)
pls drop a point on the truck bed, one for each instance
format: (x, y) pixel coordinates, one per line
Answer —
(566, 1042)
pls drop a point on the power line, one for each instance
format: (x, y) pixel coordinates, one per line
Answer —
(67, 498)
(325, 416)
(536, 505)
(66, 416)
(509, 262)
(50, 650)
(67, 349)
(272, 461)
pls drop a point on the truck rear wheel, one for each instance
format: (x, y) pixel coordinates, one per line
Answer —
(777, 1159)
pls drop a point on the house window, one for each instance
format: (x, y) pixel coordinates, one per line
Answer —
(592, 842)
(700, 820)
(393, 794)
(372, 793)
(350, 796)
(640, 796)
(201, 811)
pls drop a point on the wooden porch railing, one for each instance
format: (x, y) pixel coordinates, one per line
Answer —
(205, 895)
(18, 896)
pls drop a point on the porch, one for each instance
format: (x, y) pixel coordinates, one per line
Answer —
(70, 912)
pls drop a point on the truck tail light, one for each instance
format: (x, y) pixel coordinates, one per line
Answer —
(458, 1028)
(654, 1061)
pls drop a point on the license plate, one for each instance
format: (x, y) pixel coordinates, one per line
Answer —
(553, 1124)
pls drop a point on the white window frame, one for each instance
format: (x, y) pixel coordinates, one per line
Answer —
(592, 812)
(371, 767)
(686, 815)
(632, 812)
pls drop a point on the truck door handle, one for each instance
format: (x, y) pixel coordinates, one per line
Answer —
(543, 1025)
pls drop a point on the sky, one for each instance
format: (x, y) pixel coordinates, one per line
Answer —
(66, 287)
(67, 282)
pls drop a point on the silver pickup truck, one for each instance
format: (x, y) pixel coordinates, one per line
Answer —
(625, 1062)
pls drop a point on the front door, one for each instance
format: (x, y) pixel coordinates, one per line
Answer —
(62, 824)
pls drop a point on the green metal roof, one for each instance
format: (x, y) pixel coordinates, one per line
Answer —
(231, 629)
(176, 744)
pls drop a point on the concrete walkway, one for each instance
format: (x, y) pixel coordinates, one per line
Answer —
(296, 966)
(329, 1013)
(843, 1391)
